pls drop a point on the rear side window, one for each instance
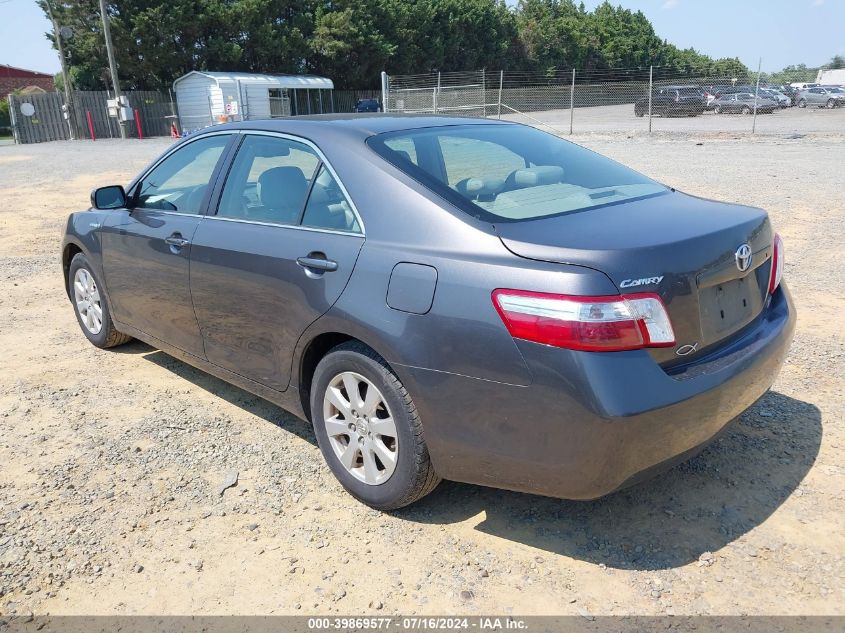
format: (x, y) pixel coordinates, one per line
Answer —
(281, 181)
(269, 180)
(327, 207)
(404, 148)
(510, 173)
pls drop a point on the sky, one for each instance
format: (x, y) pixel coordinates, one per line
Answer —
(782, 32)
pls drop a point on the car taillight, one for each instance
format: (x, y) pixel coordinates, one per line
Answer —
(776, 272)
(597, 324)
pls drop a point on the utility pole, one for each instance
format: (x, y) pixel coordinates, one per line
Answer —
(112, 67)
(71, 111)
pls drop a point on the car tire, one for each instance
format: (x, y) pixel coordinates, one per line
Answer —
(746, 110)
(638, 112)
(717, 109)
(386, 470)
(91, 305)
(802, 103)
(831, 103)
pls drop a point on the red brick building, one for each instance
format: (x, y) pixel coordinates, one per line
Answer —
(12, 79)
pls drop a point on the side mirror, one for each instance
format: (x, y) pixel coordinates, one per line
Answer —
(111, 197)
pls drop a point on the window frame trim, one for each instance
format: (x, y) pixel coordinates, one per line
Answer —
(213, 206)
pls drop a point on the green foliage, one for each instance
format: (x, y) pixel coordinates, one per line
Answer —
(5, 116)
(351, 41)
(837, 61)
(5, 119)
(789, 75)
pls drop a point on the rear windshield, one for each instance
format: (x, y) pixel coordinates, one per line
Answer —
(510, 173)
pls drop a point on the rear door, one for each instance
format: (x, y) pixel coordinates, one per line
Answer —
(146, 248)
(273, 256)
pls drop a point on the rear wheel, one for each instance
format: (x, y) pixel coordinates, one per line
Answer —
(368, 429)
(638, 111)
(831, 103)
(746, 110)
(717, 109)
(91, 305)
(802, 103)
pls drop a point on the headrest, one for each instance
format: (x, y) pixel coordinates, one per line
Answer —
(480, 186)
(282, 187)
(540, 175)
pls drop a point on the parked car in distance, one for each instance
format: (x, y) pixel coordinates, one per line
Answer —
(822, 97)
(778, 97)
(367, 105)
(673, 101)
(537, 317)
(743, 102)
(790, 92)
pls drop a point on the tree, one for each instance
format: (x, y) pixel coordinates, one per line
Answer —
(157, 41)
(837, 61)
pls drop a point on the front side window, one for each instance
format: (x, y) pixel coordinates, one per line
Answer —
(179, 183)
(509, 173)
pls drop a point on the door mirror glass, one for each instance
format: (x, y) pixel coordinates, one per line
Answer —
(111, 197)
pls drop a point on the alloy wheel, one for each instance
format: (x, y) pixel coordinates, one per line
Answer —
(86, 297)
(360, 428)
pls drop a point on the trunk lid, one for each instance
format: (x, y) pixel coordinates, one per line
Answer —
(682, 247)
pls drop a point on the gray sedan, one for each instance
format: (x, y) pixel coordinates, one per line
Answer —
(822, 96)
(743, 103)
(442, 297)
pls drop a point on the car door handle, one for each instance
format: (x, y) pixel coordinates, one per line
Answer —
(176, 240)
(317, 263)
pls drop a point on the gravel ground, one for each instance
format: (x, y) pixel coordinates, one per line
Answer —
(620, 118)
(112, 496)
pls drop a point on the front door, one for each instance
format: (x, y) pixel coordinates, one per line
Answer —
(146, 248)
(274, 257)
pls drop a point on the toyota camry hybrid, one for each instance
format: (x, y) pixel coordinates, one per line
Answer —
(442, 297)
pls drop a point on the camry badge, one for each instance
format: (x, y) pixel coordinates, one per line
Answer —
(644, 281)
(743, 257)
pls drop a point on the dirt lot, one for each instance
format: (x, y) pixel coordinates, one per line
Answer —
(111, 462)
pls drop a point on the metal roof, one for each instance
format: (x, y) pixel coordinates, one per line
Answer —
(280, 81)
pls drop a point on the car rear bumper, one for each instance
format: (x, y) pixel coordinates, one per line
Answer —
(591, 423)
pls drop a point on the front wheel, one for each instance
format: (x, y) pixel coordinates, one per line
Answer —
(746, 110)
(802, 103)
(717, 109)
(368, 429)
(91, 305)
(831, 103)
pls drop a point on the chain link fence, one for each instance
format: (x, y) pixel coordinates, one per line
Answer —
(651, 99)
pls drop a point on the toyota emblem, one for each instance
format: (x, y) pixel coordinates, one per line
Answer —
(743, 257)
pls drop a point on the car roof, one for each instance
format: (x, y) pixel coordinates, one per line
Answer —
(362, 125)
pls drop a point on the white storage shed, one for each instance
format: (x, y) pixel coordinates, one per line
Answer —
(205, 98)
